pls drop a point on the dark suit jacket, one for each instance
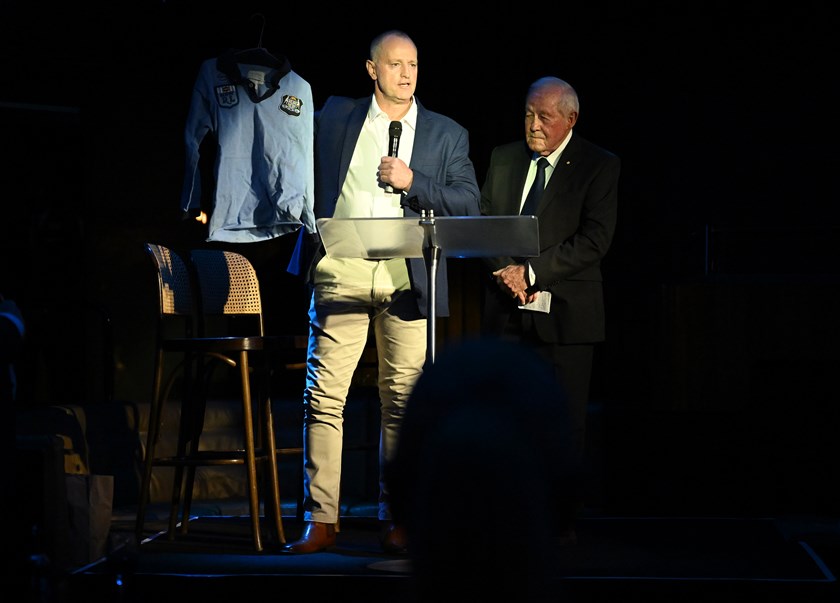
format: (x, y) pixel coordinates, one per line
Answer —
(577, 216)
(444, 178)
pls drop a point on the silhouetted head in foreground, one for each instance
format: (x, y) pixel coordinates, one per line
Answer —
(481, 463)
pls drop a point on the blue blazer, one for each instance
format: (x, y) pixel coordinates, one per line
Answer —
(444, 180)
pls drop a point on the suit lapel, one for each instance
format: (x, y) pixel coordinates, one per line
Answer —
(516, 181)
(561, 172)
(425, 143)
(421, 141)
(351, 135)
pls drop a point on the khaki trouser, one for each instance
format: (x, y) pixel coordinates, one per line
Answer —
(339, 324)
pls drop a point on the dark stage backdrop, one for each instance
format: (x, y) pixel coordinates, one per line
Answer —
(723, 116)
(722, 281)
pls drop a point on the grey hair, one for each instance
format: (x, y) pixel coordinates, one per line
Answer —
(567, 99)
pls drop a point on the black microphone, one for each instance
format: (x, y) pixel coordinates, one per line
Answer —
(394, 131)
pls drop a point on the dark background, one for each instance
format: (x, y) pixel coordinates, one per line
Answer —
(722, 282)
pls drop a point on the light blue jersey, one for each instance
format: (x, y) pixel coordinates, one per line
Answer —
(261, 115)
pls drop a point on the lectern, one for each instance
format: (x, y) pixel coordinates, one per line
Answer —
(430, 238)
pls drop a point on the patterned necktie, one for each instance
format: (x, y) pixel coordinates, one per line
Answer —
(529, 208)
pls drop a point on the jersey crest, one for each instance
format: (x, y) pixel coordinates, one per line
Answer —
(226, 95)
(291, 105)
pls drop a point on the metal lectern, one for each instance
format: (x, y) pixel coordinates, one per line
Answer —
(430, 238)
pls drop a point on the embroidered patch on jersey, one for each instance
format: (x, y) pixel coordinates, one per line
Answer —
(226, 95)
(291, 104)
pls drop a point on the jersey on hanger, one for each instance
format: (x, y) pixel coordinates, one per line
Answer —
(262, 119)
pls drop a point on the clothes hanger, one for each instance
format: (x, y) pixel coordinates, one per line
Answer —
(229, 63)
(259, 55)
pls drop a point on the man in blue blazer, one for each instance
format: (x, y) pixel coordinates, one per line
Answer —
(360, 174)
(554, 302)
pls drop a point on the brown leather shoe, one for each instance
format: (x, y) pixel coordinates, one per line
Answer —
(393, 539)
(316, 537)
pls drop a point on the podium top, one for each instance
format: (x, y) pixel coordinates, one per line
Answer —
(455, 236)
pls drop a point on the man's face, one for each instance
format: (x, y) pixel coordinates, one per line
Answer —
(545, 125)
(395, 69)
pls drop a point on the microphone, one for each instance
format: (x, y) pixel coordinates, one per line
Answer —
(394, 131)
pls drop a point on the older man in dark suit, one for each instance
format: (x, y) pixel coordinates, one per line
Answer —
(554, 302)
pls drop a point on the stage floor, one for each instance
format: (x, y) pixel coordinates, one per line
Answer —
(617, 559)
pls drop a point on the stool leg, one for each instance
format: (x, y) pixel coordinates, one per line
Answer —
(270, 450)
(152, 435)
(250, 455)
(185, 435)
(196, 415)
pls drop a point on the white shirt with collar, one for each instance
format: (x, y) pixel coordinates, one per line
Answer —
(364, 196)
